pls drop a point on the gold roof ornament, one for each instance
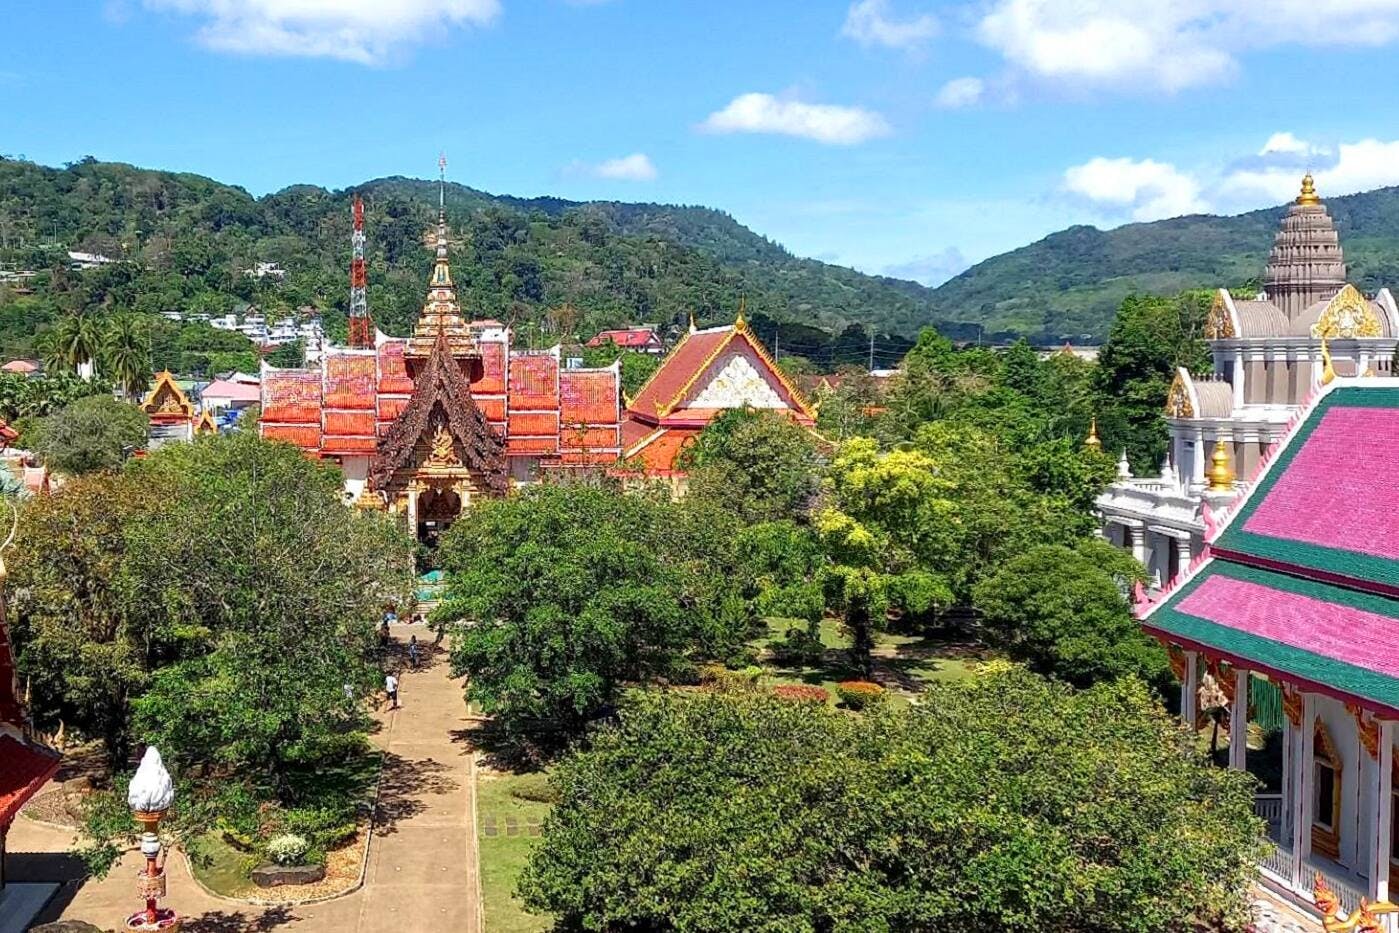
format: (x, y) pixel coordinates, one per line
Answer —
(1221, 476)
(1092, 442)
(1308, 195)
(739, 323)
(1347, 315)
(1328, 371)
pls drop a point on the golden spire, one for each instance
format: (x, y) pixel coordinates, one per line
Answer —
(739, 323)
(1328, 372)
(1221, 476)
(1092, 442)
(1308, 195)
(692, 322)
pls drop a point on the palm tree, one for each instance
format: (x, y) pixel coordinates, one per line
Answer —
(51, 355)
(79, 338)
(126, 350)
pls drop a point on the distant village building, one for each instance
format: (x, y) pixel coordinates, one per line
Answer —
(1295, 610)
(709, 371)
(22, 367)
(640, 339)
(230, 395)
(264, 270)
(171, 413)
(1270, 353)
(78, 260)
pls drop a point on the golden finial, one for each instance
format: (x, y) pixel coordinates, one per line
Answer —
(1328, 372)
(692, 322)
(739, 323)
(1308, 195)
(1092, 442)
(1221, 476)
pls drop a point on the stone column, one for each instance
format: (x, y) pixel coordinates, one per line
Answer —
(1303, 778)
(1138, 533)
(1382, 813)
(1190, 690)
(1197, 465)
(1182, 556)
(1238, 722)
(1317, 366)
(1238, 383)
(413, 509)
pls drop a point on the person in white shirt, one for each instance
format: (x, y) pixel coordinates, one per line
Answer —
(391, 688)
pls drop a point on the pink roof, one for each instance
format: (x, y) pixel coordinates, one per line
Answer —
(20, 366)
(626, 337)
(1339, 491)
(1364, 639)
(233, 391)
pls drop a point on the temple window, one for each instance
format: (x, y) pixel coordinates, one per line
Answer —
(1326, 794)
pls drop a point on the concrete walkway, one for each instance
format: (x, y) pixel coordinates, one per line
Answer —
(423, 867)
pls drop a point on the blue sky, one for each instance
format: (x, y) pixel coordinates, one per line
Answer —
(900, 136)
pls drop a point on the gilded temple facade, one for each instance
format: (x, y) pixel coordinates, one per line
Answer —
(1270, 353)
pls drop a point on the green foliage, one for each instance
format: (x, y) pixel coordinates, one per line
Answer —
(126, 352)
(759, 464)
(287, 849)
(289, 355)
(93, 433)
(1064, 612)
(1003, 802)
(574, 590)
(36, 396)
(1149, 340)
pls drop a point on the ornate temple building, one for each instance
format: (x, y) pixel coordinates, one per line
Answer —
(1269, 354)
(424, 424)
(708, 372)
(1297, 593)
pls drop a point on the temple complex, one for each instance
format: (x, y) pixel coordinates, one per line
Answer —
(1296, 594)
(708, 372)
(423, 424)
(1269, 353)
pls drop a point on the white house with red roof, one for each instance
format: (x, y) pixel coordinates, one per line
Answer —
(639, 339)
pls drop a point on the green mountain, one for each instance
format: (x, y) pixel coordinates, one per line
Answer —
(187, 240)
(1071, 282)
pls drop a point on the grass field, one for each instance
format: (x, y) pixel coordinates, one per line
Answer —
(503, 855)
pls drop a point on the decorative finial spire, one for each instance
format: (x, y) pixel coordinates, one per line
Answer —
(442, 206)
(1221, 476)
(1124, 469)
(692, 322)
(739, 322)
(1308, 195)
(1092, 442)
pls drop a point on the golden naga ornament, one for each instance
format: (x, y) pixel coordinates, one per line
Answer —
(1364, 920)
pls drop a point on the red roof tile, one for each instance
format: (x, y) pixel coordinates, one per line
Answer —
(627, 337)
(682, 365)
(24, 768)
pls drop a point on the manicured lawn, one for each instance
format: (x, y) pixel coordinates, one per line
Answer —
(503, 855)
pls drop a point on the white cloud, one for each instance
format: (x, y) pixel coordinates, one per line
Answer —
(635, 167)
(1346, 169)
(1143, 189)
(1285, 142)
(825, 123)
(931, 270)
(1124, 44)
(869, 22)
(960, 92)
(365, 31)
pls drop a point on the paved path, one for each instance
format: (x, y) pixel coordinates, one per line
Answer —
(422, 871)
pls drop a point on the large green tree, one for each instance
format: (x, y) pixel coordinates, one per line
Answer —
(571, 591)
(760, 464)
(93, 433)
(1065, 612)
(1001, 803)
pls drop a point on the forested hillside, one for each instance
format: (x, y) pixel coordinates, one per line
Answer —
(1073, 281)
(545, 264)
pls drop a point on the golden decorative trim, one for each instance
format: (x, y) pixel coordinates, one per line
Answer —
(1178, 398)
(668, 407)
(1328, 371)
(177, 403)
(1292, 705)
(1348, 315)
(1308, 194)
(205, 424)
(1175, 656)
(1368, 728)
(1219, 325)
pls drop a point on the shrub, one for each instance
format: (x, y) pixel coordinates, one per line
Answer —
(801, 693)
(287, 849)
(534, 788)
(719, 678)
(859, 694)
(800, 646)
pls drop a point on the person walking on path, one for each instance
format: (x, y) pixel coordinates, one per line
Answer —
(413, 651)
(391, 688)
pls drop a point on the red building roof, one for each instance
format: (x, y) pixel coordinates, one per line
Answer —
(24, 769)
(629, 337)
(1303, 577)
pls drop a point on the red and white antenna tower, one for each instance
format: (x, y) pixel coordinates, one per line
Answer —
(361, 325)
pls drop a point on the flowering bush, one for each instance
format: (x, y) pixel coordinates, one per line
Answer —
(859, 694)
(801, 693)
(287, 849)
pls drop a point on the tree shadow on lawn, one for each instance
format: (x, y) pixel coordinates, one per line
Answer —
(404, 785)
(531, 749)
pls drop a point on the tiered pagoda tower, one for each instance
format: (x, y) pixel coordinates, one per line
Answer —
(1306, 264)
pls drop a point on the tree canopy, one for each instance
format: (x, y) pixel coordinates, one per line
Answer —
(1004, 802)
(93, 433)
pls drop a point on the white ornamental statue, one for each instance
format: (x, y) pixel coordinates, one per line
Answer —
(151, 789)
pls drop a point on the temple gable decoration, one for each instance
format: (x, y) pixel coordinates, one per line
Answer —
(442, 416)
(1222, 322)
(1180, 399)
(166, 401)
(1349, 315)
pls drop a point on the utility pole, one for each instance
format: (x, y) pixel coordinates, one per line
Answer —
(776, 340)
(871, 349)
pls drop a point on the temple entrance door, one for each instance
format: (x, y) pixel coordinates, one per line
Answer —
(438, 507)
